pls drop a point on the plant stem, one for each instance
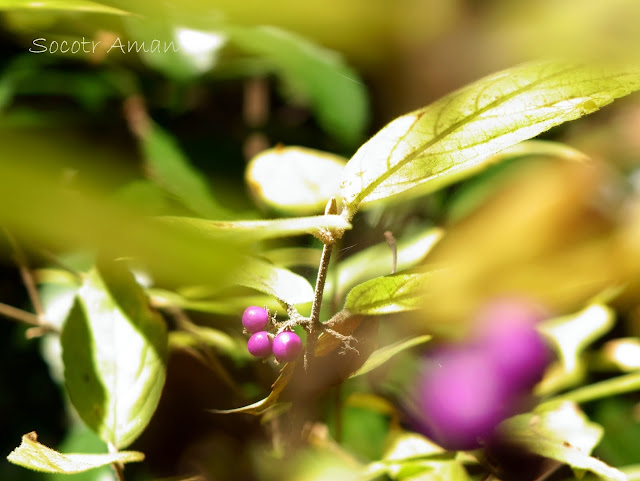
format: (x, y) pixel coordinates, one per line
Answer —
(118, 468)
(19, 315)
(315, 326)
(25, 273)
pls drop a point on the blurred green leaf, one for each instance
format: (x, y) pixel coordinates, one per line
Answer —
(251, 230)
(33, 455)
(65, 5)
(621, 431)
(284, 285)
(456, 136)
(385, 295)
(610, 387)
(334, 90)
(294, 256)
(166, 165)
(35, 203)
(561, 432)
(382, 355)
(294, 180)
(114, 351)
(570, 336)
(377, 260)
(477, 190)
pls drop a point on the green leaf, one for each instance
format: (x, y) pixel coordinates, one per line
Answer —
(334, 90)
(610, 387)
(267, 403)
(561, 432)
(294, 180)
(385, 295)
(114, 351)
(570, 336)
(286, 286)
(457, 135)
(167, 166)
(257, 229)
(377, 260)
(294, 256)
(382, 355)
(64, 5)
(33, 455)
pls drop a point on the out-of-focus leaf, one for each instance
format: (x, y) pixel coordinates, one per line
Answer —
(618, 445)
(477, 190)
(294, 180)
(34, 455)
(34, 204)
(384, 295)
(294, 256)
(377, 260)
(454, 137)
(144, 196)
(114, 351)
(610, 387)
(539, 225)
(168, 46)
(284, 285)
(166, 165)
(571, 335)
(382, 355)
(249, 230)
(64, 5)
(412, 456)
(335, 91)
(561, 432)
(623, 353)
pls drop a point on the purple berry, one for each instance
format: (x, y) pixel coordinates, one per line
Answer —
(459, 400)
(517, 349)
(259, 344)
(287, 346)
(255, 319)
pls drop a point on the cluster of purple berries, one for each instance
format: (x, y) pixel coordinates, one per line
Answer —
(464, 391)
(285, 346)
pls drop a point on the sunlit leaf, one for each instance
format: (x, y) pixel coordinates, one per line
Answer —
(284, 285)
(34, 455)
(334, 90)
(294, 180)
(64, 5)
(167, 166)
(455, 136)
(570, 336)
(623, 353)
(256, 229)
(114, 352)
(377, 260)
(384, 295)
(563, 433)
(382, 355)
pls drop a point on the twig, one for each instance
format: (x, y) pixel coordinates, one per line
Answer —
(19, 315)
(315, 326)
(394, 251)
(118, 468)
(27, 276)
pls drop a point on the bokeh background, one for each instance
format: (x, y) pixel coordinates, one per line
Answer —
(80, 120)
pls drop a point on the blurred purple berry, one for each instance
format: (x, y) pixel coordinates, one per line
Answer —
(259, 344)
(507, 332)
(287, 346)
(459, 399)
(255, 319)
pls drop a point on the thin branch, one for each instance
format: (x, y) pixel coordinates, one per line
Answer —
(118, 468)
(26, 274)
(19, 315)
(394, 250)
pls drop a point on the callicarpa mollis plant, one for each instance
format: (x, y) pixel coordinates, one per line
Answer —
(445, 352)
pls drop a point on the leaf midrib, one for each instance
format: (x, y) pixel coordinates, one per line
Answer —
(465, 120)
